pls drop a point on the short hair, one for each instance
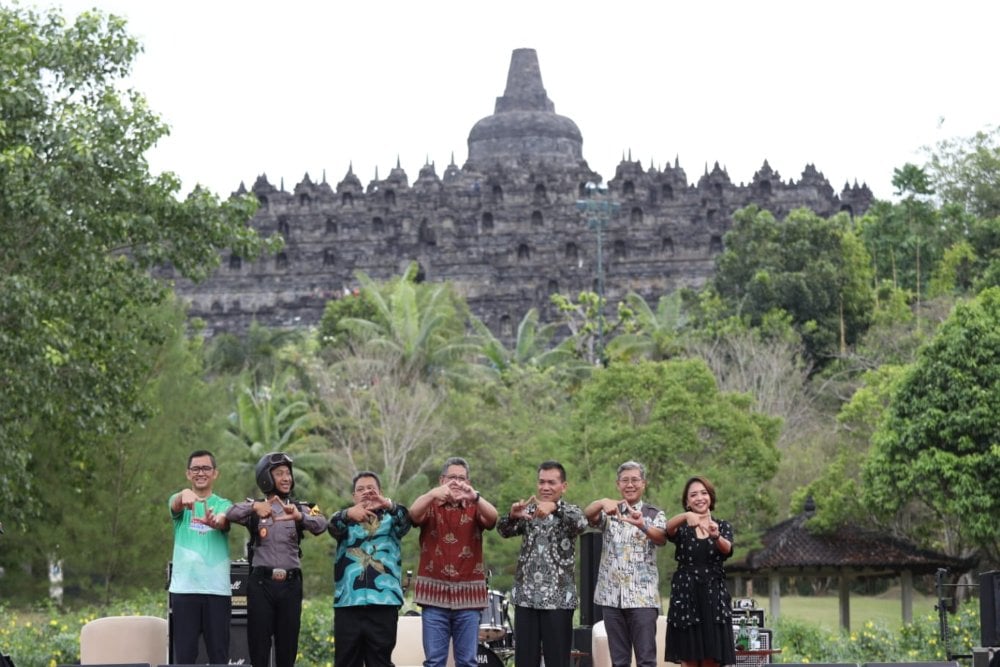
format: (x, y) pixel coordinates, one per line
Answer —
(454, 461)
(201, 452)
(553, 465)
(631, 465)
(708, 487)
(366, 473)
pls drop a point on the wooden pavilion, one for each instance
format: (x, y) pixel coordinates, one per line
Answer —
(849, 553)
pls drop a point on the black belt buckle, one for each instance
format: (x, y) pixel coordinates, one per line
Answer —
(279, 574)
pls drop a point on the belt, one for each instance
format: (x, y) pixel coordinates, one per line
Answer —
(278, 573)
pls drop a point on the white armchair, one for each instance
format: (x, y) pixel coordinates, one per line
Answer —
(124, 639)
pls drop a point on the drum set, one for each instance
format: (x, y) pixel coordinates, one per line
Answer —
(496, 635)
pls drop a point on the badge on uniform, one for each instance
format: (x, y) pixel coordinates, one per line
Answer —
(262, 532)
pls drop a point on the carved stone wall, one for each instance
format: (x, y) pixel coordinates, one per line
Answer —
(504, 228)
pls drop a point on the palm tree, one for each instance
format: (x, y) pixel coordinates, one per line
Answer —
(421, 325)
(279, 416)
(654, 334)
(532, 348)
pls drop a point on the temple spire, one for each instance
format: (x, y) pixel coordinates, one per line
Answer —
(524, 90)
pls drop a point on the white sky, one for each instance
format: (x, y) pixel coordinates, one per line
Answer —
(284, 88)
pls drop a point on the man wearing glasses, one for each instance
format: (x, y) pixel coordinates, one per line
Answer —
(628, 586)
(451, 579)
(200, 594)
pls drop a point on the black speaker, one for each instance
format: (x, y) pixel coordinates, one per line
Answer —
(239, 652)
(989, 607)
(591, 544)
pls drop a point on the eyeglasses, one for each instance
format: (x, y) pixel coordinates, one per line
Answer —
(197, 469)
(277, 458)
(631, 480)
(456, 478)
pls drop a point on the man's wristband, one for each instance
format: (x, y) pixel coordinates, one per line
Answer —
(478, 496)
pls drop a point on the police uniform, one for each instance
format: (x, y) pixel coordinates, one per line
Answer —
(274, 589)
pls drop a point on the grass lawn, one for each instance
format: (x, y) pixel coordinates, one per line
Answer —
(885, 609)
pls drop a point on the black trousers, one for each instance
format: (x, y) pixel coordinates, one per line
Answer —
(365, 635)
(539, 632)
(193, 615)
(274, 610)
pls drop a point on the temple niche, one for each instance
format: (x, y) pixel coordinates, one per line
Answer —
(504, 227)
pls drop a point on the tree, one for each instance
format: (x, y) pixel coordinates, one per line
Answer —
(811, 267)
(766, 363)
(652, 334)
(533, 347)
(421, 325)
(588, 325)
(256, 352)
(672, 417)
(104, 504)
(937, 447)
(381, 418)
(83, 222)
(966, 171)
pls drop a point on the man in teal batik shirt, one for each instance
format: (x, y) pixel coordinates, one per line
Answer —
(366, 573)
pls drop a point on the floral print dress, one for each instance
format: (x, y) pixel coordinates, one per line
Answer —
(699, 621)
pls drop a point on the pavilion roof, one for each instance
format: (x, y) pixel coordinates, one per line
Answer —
(790, 547)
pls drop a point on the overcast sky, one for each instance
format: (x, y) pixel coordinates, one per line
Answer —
(285, 88)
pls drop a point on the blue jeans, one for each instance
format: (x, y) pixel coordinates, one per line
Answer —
(442, 626)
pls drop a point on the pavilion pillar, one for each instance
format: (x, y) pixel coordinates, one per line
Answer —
(844, 586)
(774, 596)
(906, 586)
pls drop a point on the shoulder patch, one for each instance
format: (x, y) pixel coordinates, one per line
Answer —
(314, 511)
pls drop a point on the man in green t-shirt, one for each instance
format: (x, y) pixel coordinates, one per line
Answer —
(200, 592)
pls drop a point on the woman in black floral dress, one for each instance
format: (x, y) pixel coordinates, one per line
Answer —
(699, 621)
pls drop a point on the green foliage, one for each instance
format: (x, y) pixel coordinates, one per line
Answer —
(256, 352)
(671, 416)
(46, 636)
(966, 171)
(813, 268)
(316, 645)
(423, 325)
(937, 446)
(532, 347)
(105, 499)
(588, 324)
(652, 334)
(83, 221)
(954, 273)
(918, 641)
(356, 305)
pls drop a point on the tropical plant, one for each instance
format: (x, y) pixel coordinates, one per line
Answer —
(421, 325)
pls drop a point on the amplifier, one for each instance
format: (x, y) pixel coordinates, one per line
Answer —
(239, 573)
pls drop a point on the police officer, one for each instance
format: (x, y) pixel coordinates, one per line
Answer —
(274, 589)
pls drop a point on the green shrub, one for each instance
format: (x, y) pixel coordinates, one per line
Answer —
(46, 636)
(918, 641)
(316, 634)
